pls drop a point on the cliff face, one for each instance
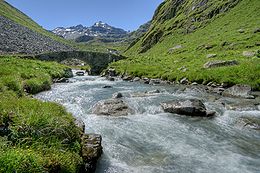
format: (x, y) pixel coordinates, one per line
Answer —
(184, 16)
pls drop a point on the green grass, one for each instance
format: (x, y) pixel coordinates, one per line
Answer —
(221, 32)
(34, 76)
(42, 136)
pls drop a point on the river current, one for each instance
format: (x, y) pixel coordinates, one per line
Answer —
(151, 141)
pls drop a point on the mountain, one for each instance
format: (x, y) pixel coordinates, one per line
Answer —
(99, 30)
(201, 40)
(20, 34)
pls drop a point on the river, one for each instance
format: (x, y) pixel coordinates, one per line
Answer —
(151, 141)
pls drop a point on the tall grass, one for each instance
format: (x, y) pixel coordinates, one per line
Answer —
(42, 136)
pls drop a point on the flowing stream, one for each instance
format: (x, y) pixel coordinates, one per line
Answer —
(151, 141)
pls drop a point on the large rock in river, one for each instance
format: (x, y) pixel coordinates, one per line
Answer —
(91, 151)
(191, 107)
(111, 107)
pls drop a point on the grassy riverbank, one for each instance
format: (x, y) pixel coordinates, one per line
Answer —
(35, 136)
(179, 54)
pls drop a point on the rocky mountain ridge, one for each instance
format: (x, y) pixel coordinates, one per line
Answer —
(82, 33)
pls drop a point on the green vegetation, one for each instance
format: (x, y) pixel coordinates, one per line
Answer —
(35, 136)
(33, 76)
(227, 35)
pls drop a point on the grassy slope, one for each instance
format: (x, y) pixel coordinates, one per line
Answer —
(158, 63)
(43, 135)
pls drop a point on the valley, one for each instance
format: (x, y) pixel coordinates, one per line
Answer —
(179, 94)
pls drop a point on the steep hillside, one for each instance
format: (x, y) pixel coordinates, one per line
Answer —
(20, 34)
(201, 40)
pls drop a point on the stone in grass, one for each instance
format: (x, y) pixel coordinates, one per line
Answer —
(171, 50)
(211, 55)
(249, 53)
(241, 30)
(220, 63)
(257, 30)
(190, 107)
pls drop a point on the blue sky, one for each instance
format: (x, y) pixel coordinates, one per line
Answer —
(126, 14)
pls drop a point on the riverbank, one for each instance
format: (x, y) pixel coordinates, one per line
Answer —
(36, 136)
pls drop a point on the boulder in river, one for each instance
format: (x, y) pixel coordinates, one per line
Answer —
(155, 81)
(239, 91)
(112, 107)
(191, 107)
(136, 79)
(111, 72)
(117, 95)
(146, 80)
(249, 122)
(80, 73)
(184, 81)
(91, 151)
(127, 78)
(107, 86)
(152, 92)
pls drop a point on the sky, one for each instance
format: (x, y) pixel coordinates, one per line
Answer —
(126, 14)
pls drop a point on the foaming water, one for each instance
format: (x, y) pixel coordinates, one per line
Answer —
(151, 141)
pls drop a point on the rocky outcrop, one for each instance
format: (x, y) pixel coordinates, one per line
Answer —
(239, 91)
(91, 151)
(191, 107)
(220, 63)
(99, 30)
(15, 38)
(111, 107)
